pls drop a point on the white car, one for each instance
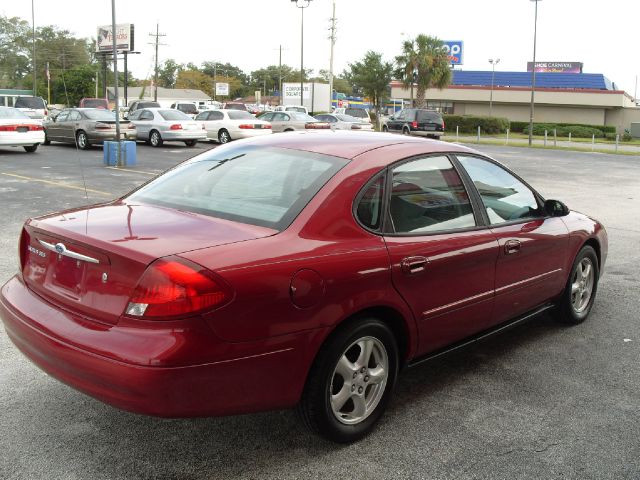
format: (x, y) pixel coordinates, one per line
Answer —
(158, 125)
(32, 107)
(225, 125)
(339, 121)
(18, 130)
(291, 108)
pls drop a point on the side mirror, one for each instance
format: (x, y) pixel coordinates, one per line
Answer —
(555, 208)
(392, 117)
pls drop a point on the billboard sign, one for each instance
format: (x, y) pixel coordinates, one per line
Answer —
(454, 49)
(222, 89)
(557, 67)
(124, 38)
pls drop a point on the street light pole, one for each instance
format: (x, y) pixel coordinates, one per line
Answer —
(302, 4)
(493, 72)
(533, 72)
(33, 31)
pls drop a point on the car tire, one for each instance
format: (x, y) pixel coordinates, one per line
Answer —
(46, 139)
(406, 131)
(289, 130)
(223, 136)
(579, 294)
(155, 139)
(82, 140)
(190, 143)
(385, 128)
(341, 402)
(31, 148)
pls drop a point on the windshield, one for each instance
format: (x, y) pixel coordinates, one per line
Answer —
(239, 115)
(347, 118)
(6, 112)
(266, 187)
(295, 109)
(173, 115)
(29, 102)
(99, 115)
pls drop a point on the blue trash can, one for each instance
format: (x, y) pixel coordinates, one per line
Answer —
(127, 153)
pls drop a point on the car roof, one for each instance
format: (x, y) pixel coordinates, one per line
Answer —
(349, 144)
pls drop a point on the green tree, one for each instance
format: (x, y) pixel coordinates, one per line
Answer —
(73, 84)
(15, 59)
(372, 76)
(424, 62)
(168, 73)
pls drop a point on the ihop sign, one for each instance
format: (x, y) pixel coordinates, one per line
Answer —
(454, 49)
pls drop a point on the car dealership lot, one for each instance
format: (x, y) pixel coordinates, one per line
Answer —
(540, 401)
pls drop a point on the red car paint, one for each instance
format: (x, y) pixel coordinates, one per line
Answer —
(287, 291)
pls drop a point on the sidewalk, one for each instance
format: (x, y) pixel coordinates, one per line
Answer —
(539, 143)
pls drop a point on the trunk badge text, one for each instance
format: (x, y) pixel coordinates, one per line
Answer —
(37, 252)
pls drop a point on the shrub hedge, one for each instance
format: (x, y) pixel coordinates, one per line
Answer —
(470, 124)
(524, 128)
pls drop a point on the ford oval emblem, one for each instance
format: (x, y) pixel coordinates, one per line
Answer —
(60, 248)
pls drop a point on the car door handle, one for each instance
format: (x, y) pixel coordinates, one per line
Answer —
(511, 246)
(413, 265)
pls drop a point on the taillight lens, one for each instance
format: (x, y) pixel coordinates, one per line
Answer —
(268, 125)
(316, 125)
(15, 128)
(173, 287)
(103, 126)
(175, 126)
(414, 124)
(246, 126)
(24, 242)
(443, 125)
(355, 126)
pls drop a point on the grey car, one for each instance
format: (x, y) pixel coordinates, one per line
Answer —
(339, 121)
(85, 127)
(290, 121)
(157, 125)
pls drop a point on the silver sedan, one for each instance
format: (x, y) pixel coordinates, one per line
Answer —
(340, 121)
(290, 121)
(226, 125)
(157, 125)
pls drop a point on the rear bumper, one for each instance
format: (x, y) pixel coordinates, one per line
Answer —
(22, 139)
(99, 137)
(153, 371)
(249, 133)
(183, 135)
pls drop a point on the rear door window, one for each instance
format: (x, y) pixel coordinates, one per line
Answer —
(425, 116)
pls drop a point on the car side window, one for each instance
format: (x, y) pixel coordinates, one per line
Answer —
(62, 117)
(323, 118)
(369, 209)
(280, 117)
(134, 115)
(401, 115)
(216, 116)
(146, 115)
(505, 198)
(428, 195)
(267, 117)
(75, 116)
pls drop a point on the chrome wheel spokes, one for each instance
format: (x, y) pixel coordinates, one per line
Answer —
(582, 285)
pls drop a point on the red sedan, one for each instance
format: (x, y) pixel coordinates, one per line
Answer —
(299, 270)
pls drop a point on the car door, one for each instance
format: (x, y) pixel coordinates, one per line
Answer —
(533, 246)
(395, 124)
(442, 256)
(279, 122)
(69, 127)
(215, 123)
(143, 121)
(54, 128)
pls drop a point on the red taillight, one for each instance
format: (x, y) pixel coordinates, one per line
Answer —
(268, 125)
(316, 125)
(414, 124)
(24, 243)
(172, 287)
(103, 126)
(175, 126)
(246, 126)
(46, 113)
(443, 125)
(355, 126)
(14, 128)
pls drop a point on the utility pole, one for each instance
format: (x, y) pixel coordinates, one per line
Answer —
(280, 75)
(156, 43)
(33, 31)
(333, 42)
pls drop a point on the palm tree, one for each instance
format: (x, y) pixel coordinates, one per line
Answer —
(407, 63)
(426, 58)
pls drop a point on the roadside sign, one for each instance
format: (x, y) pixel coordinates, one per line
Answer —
(222, 89)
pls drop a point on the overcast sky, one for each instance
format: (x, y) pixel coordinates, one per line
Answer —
(247, 33)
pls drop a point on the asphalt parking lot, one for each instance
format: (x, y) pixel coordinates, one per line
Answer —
(540, 401)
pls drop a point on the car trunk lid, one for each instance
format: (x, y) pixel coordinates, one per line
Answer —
(89, 261)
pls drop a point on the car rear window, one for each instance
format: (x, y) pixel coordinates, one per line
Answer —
(301, 117)
(187, 108)
(99, 115)
(357, 112)
(147, 105)
(29, 102)
(295, 109)
(239, 115)
(173, 115)
(426, 116)
(235, 106)
(266, 187)
(95, 103)
(11, 113)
